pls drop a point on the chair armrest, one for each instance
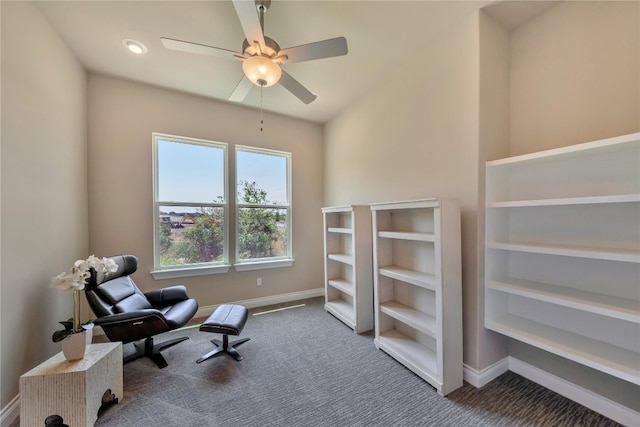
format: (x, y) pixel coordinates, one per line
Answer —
(167, 296)
(128, 317)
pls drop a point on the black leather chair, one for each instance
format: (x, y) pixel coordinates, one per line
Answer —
(128, 315)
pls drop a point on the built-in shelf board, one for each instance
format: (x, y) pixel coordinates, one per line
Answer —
(343, 258)
(593, 200)
(340, 230)
(348, 271)
(424, 280)
(417, 282)
(342, 309)
(421, 359)
(594, 149)
(423, 322)
(600, 303)
(418, 237)
(623, 255)
(343, 286)
(616, 361)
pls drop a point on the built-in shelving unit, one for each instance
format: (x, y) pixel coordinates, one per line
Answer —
(562, 252)
(347, 265)
(417, 287)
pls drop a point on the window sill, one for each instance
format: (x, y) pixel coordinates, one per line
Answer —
(190, 271)
(262, 265)
(175, 273)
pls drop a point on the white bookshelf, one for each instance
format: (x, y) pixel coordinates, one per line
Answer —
(348, 265)
(562, 252)
(417, 287)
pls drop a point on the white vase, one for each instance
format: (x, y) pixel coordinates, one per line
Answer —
(74, 346)
(89, 334)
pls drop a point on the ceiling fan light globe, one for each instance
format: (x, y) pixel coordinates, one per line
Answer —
(261, 71)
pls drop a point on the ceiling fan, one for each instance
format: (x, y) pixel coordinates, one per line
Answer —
(261, 56)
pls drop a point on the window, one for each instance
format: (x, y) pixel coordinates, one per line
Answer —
(193, 205)
(263, 213)
(190, 204)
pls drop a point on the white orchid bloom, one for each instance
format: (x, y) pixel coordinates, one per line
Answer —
(107, 265)
(78, 279)
(82, 264)
(60, 282)
(110, 265)
(102, 265)
(81, 272)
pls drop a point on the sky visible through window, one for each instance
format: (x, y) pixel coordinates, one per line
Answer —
(195, 173)
(268, 171)
(190, 172)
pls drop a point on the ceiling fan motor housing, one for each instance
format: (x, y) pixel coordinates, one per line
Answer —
(271, 48)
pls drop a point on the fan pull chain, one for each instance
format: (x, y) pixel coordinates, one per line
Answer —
(261, 121)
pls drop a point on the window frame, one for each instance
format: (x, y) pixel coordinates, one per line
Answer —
(197, 269)
(270, 262)
(230, 207)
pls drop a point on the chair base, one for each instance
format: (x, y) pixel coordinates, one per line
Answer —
(153, 351)
(224, 346)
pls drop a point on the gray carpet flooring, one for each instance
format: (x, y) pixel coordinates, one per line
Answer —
(303, 367)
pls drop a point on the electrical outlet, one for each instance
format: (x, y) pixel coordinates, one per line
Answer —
(259, 281)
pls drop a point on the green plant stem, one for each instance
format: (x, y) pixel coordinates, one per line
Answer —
(76, 311)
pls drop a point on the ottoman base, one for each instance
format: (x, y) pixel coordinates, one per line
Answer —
(224, 347)
(228, 319)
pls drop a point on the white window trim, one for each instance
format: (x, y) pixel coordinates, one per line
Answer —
(263, 265)
(178, 272)
(205, 270)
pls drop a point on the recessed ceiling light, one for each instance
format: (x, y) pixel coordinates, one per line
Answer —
(134, 46)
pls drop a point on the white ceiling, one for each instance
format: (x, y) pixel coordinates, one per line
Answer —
(381, 35)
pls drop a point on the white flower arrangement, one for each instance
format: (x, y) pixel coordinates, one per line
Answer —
(77, 278)
(75, 281)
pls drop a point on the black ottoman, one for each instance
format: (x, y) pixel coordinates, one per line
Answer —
(227, 319)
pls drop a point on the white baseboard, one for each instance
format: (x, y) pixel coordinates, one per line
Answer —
(583, 396)
(10, 412)
(264, 301)
(481, 378)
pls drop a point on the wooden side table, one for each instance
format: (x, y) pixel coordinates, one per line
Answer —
(72, 390)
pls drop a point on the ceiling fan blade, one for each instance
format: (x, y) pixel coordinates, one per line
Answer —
(248, 15)
(318, 50)
(293, 86)
(200, 49)
(242, 90)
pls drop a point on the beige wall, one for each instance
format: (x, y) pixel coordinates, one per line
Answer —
(122, 117)
(575, 75)
(416, 136)
(493, 141)
(44, 190)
